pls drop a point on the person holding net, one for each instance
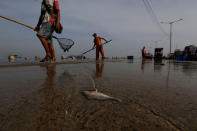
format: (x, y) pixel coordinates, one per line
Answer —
(99, 46)
(49, 21)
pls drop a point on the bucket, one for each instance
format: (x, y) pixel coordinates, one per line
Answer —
(181, 58)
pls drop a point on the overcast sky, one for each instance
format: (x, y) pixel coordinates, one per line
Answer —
(128, 23)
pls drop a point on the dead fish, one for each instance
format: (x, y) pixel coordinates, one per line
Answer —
(95, 95)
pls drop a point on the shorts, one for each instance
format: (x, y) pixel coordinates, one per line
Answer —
(46, 31)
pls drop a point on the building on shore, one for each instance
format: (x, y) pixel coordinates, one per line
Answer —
(189, 53)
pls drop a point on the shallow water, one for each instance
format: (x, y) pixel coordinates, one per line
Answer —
(155, 95)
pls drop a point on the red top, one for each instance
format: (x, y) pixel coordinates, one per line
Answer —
(52, 5)
(97, 40)
(56, 4)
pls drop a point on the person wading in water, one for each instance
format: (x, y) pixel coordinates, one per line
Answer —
(99, 46)
(49, 21)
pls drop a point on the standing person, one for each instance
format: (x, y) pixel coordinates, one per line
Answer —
(144, 52)
(99, 46)
(49, 20)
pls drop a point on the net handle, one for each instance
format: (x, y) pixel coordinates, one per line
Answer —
(95, 47)
(28, 26)
(20, 23)
(15, 21)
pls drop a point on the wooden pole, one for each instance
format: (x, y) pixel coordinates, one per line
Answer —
(17, 22)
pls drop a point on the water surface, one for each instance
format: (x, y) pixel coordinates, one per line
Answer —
(155, 95)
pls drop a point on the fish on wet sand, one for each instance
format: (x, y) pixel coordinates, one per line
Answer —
(95, 95)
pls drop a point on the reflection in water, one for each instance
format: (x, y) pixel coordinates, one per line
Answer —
(99, 68)
(143, 64)
(48, 105)
(189, 68)
(157, 64)
(129, 60)
(94, 94)
(51, 72)
(12, 61)
(168, 75)
(157, 61)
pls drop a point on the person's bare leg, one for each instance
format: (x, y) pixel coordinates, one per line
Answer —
(97, 53)
(52, 52)
(102, 53)
(46, 47)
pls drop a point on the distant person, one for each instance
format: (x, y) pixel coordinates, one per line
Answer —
(99, 46)
(49, 21)
(144, 52)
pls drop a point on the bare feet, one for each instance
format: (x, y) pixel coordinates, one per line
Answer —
(53, 60)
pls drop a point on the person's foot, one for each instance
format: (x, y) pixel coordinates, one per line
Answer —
(53, 60)
(46, 58)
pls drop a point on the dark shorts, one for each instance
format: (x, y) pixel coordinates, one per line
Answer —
(46, 31)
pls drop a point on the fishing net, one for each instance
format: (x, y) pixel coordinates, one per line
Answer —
(65, 43)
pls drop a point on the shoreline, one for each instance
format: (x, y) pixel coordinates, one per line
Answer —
(51, 63)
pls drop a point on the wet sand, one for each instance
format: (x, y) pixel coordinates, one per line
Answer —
(49, 97)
